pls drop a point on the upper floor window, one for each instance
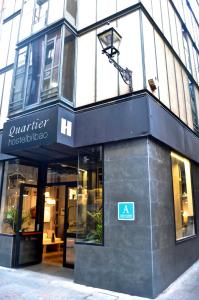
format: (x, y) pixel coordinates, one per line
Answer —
(186, 51)
(38, 68)
(183, 198)
(51, 64)
(40, 14)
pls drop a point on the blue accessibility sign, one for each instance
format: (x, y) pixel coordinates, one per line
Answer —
(126, 211)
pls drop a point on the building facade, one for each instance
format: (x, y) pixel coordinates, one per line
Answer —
(95, 174)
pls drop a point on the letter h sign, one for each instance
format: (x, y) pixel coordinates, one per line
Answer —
(66, 127)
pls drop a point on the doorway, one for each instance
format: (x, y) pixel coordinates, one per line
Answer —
(28, 228)
(59, 227)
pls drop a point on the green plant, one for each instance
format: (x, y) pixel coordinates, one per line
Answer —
(96, 235)
(11, 218)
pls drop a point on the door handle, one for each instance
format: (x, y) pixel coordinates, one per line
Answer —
(38, 227)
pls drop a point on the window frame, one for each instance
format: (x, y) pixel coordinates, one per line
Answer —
(44, 95)
(83, 242)
(186, 238)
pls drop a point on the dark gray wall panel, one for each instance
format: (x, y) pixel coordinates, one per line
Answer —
(170, 259)
(124, 263)
(112, 122)
(6, 250)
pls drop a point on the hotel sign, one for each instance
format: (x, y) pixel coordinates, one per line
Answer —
(126, 211)
(39, 128)
(28, 132)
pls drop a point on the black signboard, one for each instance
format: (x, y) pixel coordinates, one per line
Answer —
(36, 129)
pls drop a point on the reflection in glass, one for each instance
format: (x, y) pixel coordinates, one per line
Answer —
(5, 96)
(18, 88)
(13, 40)
(90, 187)
(71, 225)
(8, 8)
(52, 59)
(55, 11)
(28, 218)
(40, 15)
(62, 172)
(71, 11)
(34, 71)
(4, 42)
(68, 66)
(26, 19)
(53, 228)
(183, 200)
(14, 175)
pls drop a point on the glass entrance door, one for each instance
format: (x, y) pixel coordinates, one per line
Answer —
(28, 233)
(59, 228)
(70, 226)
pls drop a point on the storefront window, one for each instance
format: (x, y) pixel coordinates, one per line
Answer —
(183, 199)
(14, 176)
(90, 199)
(62, 172)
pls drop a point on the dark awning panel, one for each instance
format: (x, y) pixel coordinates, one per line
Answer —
(56, 132)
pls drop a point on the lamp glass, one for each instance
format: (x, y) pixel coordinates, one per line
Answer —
(110, 39)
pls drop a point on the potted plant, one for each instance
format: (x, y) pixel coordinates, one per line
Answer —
(96, 235)
(11, 218)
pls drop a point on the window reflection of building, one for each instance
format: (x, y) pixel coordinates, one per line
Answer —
(16, 174)
(36, 76)
(90, 210)
(183, 199)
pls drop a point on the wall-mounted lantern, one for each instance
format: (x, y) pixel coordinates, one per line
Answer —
(110, 41)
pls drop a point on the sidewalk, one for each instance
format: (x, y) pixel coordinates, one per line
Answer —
(52, 283)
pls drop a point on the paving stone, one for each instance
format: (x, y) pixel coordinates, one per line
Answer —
(48, 283)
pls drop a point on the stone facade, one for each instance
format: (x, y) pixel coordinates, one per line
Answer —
(139, 257)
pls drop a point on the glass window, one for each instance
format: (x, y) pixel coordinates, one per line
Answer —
(183, 199)
(186, 51)
(14, 175)
(193, 106)
(8, 8)
(26, 19)
(13, 40)
(162, 70)
(4, 43)
(55, 12)
(71, 11)
(62, 172)
(40, 15)
(19, 81)
(172, 81)
(90, 199)
(34, 71)
(51, 62)
(5, 97)
(28, 222)
(68, 66)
